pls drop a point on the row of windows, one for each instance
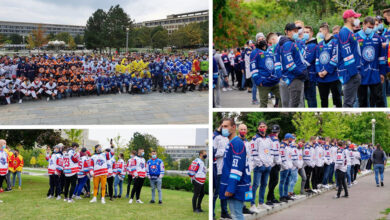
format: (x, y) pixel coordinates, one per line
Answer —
(27, 31)
(176, 21)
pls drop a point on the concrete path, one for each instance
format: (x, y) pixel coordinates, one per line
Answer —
(366, 201)
(154, 108)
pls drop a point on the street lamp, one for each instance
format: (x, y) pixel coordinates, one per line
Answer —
(373, 121)
(127, 39)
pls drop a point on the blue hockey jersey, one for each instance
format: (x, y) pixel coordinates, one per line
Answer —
(155, 168)
(262, 68)
(326, 59)
(310, 57)
(236, 177)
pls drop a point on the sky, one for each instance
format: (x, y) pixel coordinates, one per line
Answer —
(166, 136)
(77, 12)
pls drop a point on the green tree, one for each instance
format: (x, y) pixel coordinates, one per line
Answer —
(41, 160)
(33, 161)
(94, 35)
(71, 43)
(144, 141)
(63, 36)
(29, 138)
(36, 38)
(74, 135)
(160, 39)
(334, 125)
(115, 26)
(78, 39)
(306, 124)
(16, 38)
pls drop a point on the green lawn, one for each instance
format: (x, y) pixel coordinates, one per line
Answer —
(34, 170)
(31, 203)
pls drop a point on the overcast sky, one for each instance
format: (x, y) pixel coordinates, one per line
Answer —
(166, 136)
(77, 12)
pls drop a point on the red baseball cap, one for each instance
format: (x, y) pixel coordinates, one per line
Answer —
(350, 13)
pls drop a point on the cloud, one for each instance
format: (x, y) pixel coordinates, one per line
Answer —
(76, 12)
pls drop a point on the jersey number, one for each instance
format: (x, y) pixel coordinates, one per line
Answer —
(66, 162)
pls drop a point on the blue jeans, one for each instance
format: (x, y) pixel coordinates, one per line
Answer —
(378, 168)
(156, 183)
(243, 80)
(260, 177)
(310, 94)
(235, 207)
(293, 180)
(216, 193)
(17, 173)
(283, 184)
(331, 173)
(254, 90)
(117, 182)
(80, 185)
(349, 174)
(326, 178)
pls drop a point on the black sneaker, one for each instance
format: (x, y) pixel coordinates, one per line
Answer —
(200, 210)
(377, 185)
(275, 201)
(226, 216)
(160, 202)
(289, 198)
(151, 201)
(245, 210)
(382, 184)
(283, 199)
(269, 203)
(345, 196)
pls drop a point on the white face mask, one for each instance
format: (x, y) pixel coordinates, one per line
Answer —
(356, 22)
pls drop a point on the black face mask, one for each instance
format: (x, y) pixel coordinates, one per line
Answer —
(386, 22)
(204, 156)
(262, 45)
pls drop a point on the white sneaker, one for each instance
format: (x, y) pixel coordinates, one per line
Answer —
(326, 186)
(49, 197)
(103, 201)
(319, 186)
(254, 209)
(139, 201)
(224, 89)
(48, 99)
(355, 182)
(229, 89)
(77, 197)
(70, 201)
(20, 101)
(130, 201)
(263, 206)
(119, 92)
(74, 196)
(349, 185)
(65, 200)
(93, 200)
(58, 197)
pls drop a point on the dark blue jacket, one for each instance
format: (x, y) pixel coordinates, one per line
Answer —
(326, 59)
(262, 68)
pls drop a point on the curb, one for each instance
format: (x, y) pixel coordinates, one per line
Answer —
(282, 206)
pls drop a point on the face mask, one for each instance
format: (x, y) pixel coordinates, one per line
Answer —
(225, 132)
(99, 150)
(242, 133)
(262, 45)
(380, 26)
(321, 35)
(295, 36)
(300, 31)
(368, 31)
(204, 156)
(356, 22)
(305, 36)
(386, 22)
(154, 156)
(131, 156)
(142, 154)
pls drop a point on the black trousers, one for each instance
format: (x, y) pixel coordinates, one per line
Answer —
(356, 170)
(110, 185)
(54, 181)
(315, 177)
(198, 195)
(308, 171)
(62, 182)
(273, 181)
(320, 175)
(87, 186)
(239, 77)
(376, 98)
(369, 164)
(2, 178)
(129, 179)
(158, 81)
(325, 89)
(342, 182)
(138, 183)
(70, 181)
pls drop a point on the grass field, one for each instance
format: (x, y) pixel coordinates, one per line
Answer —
(31, 203)
(34, 170)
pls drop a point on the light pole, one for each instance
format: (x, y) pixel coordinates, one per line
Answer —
(127, 39)
(373, 121)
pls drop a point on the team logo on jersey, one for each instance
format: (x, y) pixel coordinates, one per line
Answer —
(153, 167)
(100, 162)
(324, 57)
(3, 161)
(269, 63)
(51, 162)
(369, 53)
(142, 165)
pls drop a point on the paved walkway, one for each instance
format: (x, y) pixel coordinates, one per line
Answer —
(155, 108)
(366, 201)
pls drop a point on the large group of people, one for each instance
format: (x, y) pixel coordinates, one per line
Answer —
(11, 163)
(243, 164)
(67, 75)
(289, 68)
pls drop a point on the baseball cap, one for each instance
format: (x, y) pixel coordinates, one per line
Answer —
(288, 136)
(291, 26)
(350, 13)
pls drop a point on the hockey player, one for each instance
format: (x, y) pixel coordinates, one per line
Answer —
(274, 173)
(129, 165)
(155, 171)
(355, 163)
(51, 89)
(136, 86)
(36, 88)
(120, 171)
(286, 166)
(310, 47)
(139, 172)
(341, 168)
(84, 172)
(4, 163)
(235, 179)
(71, 160)
(110, 174)
(55, 169)
(99, 171)
(292, 148)
(197, 171)
(180, 83)
(168, 83)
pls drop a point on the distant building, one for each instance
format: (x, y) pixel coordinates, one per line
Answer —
(25, 28)
(201, 136)
(178, 152)
(175, 21)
